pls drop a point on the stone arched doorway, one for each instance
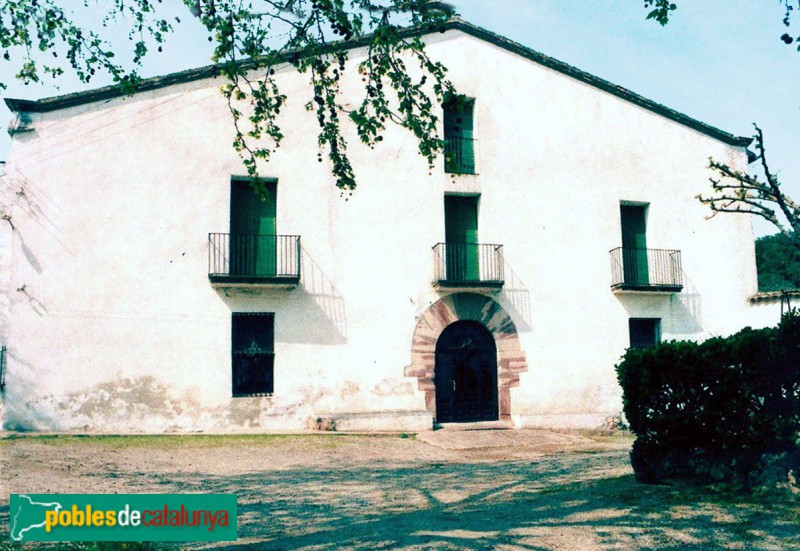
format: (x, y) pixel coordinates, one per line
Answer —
(467, 307)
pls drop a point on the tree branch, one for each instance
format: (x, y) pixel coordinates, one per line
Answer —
(741, 193)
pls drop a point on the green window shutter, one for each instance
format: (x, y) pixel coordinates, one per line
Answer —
(253, 229)
(634, 244)
(458, 134)
(461, 236)
(458, 115)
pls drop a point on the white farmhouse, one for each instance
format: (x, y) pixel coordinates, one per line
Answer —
(145, 289)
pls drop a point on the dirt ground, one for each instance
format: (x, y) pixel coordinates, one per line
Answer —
(329, 491)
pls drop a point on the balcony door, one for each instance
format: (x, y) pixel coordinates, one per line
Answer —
(253, 243)
(461, 237)
(634, 244)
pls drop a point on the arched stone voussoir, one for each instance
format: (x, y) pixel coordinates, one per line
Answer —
(473, 307)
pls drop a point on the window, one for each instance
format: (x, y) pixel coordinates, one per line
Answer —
(644, 332)
(253, 356)
(459, 153)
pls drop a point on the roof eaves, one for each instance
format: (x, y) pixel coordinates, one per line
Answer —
(109, 92)
(211, 71)
(153, 83)
(772, 296)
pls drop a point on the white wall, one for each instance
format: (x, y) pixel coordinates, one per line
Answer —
(120, 330)
(767, 312)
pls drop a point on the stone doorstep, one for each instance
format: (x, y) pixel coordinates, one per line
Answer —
(455, 439)
(464, 440)
(478, 425)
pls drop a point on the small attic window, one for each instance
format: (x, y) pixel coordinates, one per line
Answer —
(459, 149)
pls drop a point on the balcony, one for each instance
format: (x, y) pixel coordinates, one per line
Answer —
(469, 266)
(254, 260)
(459, 155)
(646, 270)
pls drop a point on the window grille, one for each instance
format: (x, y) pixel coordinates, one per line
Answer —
(644, 332)
(252, 354)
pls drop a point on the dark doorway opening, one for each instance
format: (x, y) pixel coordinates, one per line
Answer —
(465, 374)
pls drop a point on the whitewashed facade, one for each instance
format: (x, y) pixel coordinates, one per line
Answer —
(112, 323)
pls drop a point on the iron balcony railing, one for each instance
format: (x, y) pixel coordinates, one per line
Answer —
(459, 155)
(253, 258)
(646, 269)
(470, 264)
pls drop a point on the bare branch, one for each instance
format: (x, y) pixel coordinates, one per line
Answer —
(741, 193)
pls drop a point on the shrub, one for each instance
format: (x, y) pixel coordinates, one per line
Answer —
(713, 410)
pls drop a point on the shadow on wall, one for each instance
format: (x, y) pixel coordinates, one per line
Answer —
(330, 317)
(29, 256)
(36, 305)
(518, 300)
(20, 414)
(687, 309)
(5, 308)
(312, 313)
(317, 319)
(681, 313)
(31, 203)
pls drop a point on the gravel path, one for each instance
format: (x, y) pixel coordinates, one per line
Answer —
(323, 492)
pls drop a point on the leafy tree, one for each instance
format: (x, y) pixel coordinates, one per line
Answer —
(661, 10)
(778, 263)
(252, 38)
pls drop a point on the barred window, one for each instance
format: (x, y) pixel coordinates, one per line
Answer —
(644, 332)
(253, 355)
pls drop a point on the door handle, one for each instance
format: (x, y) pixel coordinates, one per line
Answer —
(454, 385)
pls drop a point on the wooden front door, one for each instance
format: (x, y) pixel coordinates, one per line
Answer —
(465, 374)
(253, 245)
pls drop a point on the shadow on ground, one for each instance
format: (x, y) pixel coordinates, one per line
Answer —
(565, 501)
(576, 502)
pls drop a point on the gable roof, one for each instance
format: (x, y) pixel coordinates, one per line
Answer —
(211, 71)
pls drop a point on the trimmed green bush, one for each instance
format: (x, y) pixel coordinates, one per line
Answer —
(713, 410)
